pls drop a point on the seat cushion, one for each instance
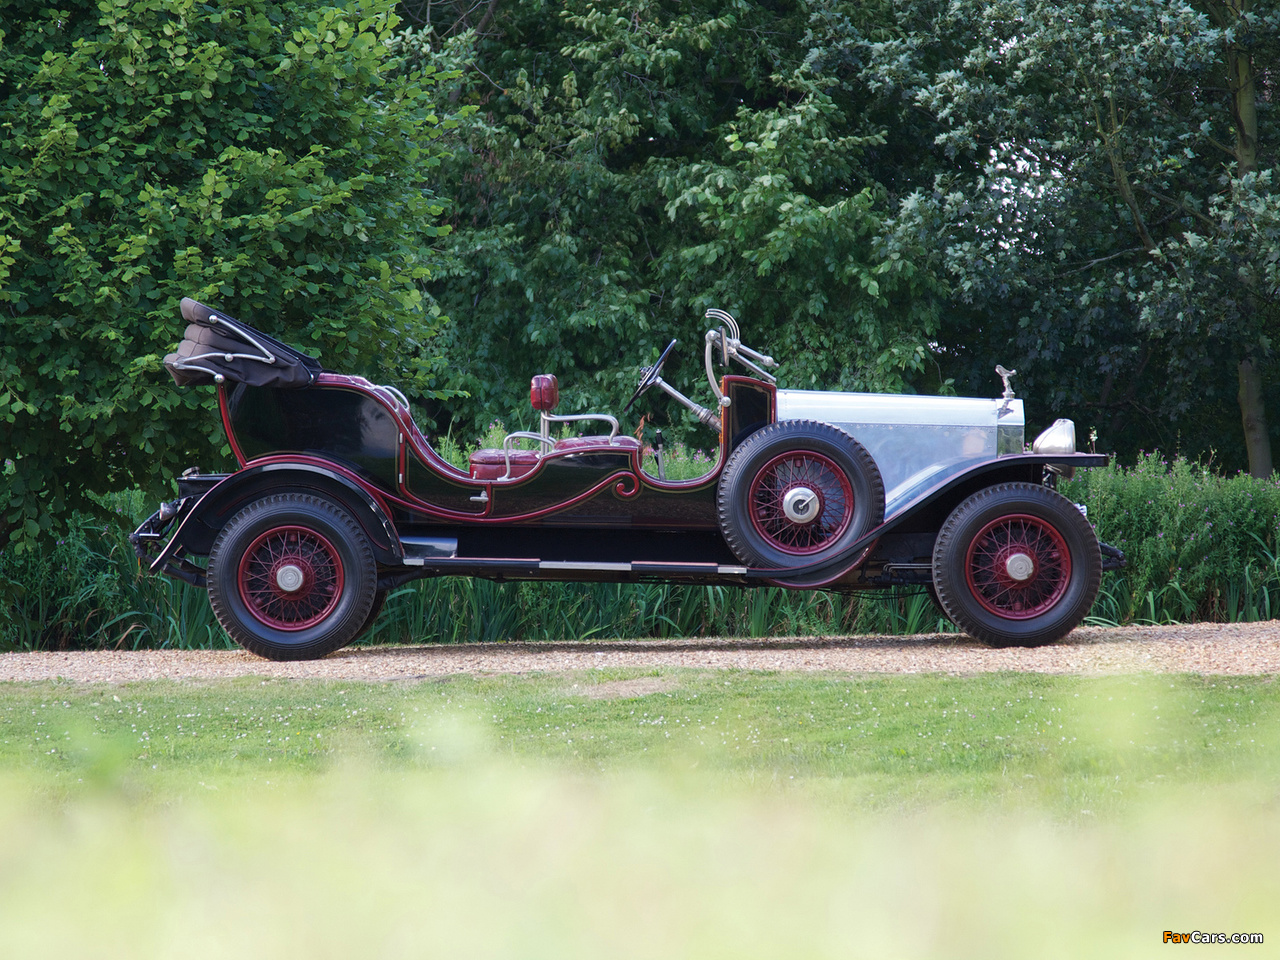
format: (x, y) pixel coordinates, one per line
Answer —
(621, 443)
(491, 463)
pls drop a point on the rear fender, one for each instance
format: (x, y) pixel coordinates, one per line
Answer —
(200, 526)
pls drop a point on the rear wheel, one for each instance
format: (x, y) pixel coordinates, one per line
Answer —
(1016, 565)
(379, 600)
(292, 577)
(798, 492)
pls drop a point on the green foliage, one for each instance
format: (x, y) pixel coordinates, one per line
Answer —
(633, 166)
(680, 461)
(1104, 203)
(1199, 546)
(274, 158)
(87, 589)
(477, 611)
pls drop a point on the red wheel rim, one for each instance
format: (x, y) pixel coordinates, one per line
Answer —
(290, 578)
(788, 472)
(1018, 567)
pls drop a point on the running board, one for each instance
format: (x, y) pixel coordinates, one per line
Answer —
(443, 563)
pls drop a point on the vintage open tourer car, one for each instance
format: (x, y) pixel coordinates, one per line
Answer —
(340, 498)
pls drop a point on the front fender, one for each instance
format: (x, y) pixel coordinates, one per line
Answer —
(927, 499)
(199, 524)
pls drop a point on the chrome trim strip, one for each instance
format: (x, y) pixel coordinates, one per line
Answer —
(572, 565)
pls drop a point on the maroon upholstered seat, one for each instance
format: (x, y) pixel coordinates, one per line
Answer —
(491, 463)
(544, 395)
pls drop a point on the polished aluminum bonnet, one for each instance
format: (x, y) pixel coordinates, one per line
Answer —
(913, 437)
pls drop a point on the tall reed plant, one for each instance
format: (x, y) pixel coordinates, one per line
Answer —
(452, 610)
(89, 590)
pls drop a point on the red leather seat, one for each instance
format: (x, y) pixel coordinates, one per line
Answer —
(491, 464)
(544, 395)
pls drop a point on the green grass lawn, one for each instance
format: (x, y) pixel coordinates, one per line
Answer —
(684, 814)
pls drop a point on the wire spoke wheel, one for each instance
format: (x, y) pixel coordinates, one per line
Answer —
(290, 578)
(293, 577)
(1018, 566)
(800, 502)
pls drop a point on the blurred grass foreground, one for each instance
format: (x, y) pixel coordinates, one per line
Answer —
(668, 815)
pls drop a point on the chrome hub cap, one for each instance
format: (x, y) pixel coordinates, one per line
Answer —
(1020, 567)
(801, 505)
(289, 578)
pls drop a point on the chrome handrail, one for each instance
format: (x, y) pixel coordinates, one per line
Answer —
(550, 418)
(519, 435)
(395, 392)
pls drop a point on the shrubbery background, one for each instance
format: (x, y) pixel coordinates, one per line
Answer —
(889, 196)
(1199, 546)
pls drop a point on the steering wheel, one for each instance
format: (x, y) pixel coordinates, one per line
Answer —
(649, 376)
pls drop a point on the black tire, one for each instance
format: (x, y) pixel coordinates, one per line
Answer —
(379, 599)
(933, 595)
(284, 539)
(763, 528)
(1016, 565)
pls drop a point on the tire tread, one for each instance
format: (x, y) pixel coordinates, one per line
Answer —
(948, 593)
(365, 598)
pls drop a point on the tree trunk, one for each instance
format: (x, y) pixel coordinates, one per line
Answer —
(1244, 116)
(1254, 417)
(1244, 97)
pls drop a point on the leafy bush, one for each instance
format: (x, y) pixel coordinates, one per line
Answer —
(1199, 546)
(89, 590)
(637, 164)
(271, 157)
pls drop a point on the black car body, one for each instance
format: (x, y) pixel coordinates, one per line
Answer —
(339, 498)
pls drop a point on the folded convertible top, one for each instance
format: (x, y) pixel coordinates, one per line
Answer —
(218, 348)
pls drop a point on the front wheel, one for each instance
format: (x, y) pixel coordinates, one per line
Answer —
(292, 577)
(1016, 565)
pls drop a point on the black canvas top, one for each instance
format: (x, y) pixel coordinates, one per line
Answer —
(217, 347)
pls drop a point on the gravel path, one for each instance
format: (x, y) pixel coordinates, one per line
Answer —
(1252, 648)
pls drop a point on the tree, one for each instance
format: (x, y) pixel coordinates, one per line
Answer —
(274, 158)
(1111, 212)
(635, 164)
